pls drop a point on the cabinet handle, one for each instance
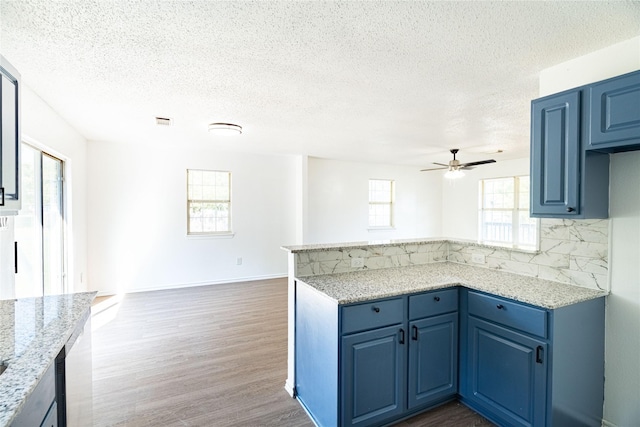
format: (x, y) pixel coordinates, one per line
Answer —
(539, 354)
(570, 209)
(1, 196)
(401, 336)
(499, 306)
(376, 309)
(15, 257)
(414, 335)
(436, 299)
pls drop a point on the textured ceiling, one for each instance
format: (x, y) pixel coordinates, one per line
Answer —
(393, 82)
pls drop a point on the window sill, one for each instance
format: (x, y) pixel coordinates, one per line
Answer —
(210, 236)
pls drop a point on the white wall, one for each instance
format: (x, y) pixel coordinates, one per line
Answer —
(44, 128)
(460, 197)
(137, 212)
(622, 372)
(622, 349)
(338, 201)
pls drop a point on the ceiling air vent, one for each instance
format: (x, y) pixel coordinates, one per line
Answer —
(163, 121)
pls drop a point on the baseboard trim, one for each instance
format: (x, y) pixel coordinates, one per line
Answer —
(606, 423)
(195, 284)
(289, 388)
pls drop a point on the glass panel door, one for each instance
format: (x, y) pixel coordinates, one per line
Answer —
(52, 225)
(39, 227)
(28, 227)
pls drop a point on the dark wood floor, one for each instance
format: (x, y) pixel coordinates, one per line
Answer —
(206, 356)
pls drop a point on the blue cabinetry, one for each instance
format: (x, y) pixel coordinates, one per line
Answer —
(40, 408)
(555, 155)
(10, 87)
(614, 114)
(375, 362)
(433, 347)
(433, 359)
(371, 363)
(566, 180)
(373, 380)
(525, 366)
(572, 133)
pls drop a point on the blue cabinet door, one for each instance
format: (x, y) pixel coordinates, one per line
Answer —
(433, 360)
(614, 114)
(373, 376)
(507, 374)
(555, 155)
(10, 87)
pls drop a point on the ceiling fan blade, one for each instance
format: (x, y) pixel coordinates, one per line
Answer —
(440, 164)
(434, 169)
(481, 162)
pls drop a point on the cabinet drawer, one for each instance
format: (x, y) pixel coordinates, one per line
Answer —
(511, 314)
(373, 314)
(433, 303)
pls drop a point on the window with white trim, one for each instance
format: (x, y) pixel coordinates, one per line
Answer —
(504, 212)
(208, 202)
(381, 203)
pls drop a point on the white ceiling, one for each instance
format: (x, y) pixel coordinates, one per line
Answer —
(392, 82)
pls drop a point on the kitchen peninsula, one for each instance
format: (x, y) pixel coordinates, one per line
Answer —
(35, 335)
(385, 330)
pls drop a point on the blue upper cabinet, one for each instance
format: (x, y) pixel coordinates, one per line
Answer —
(9, 139)
(568, 179)
(614, 114)
(555, 155)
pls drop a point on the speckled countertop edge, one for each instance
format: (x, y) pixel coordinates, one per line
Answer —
(384, 243)
(353, 287)
(44, 343)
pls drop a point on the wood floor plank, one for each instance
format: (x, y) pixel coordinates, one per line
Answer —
(207, 356)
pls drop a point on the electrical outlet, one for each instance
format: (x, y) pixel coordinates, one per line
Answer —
(357, 262)
(238, 261)
(478, 258)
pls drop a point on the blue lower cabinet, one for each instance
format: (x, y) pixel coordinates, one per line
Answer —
(373, 376)
(375, 362)
(507, 374)
(527, 366)
(433, 359)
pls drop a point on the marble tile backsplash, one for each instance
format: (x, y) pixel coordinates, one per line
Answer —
(311, 263)
(571, 251)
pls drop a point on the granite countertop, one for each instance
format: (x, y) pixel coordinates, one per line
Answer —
(395, 242)
(346, 288)
(32, 333)
(343, 245)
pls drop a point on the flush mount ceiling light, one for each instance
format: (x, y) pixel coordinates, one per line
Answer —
(225, 129)
(164, 121)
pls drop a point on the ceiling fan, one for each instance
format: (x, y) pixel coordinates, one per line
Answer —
(455, 167)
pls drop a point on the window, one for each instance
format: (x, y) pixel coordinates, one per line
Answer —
(504, 212)
(208, 202)
(380, 203)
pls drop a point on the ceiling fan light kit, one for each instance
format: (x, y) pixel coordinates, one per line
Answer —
(454, 174)
(455, 167)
